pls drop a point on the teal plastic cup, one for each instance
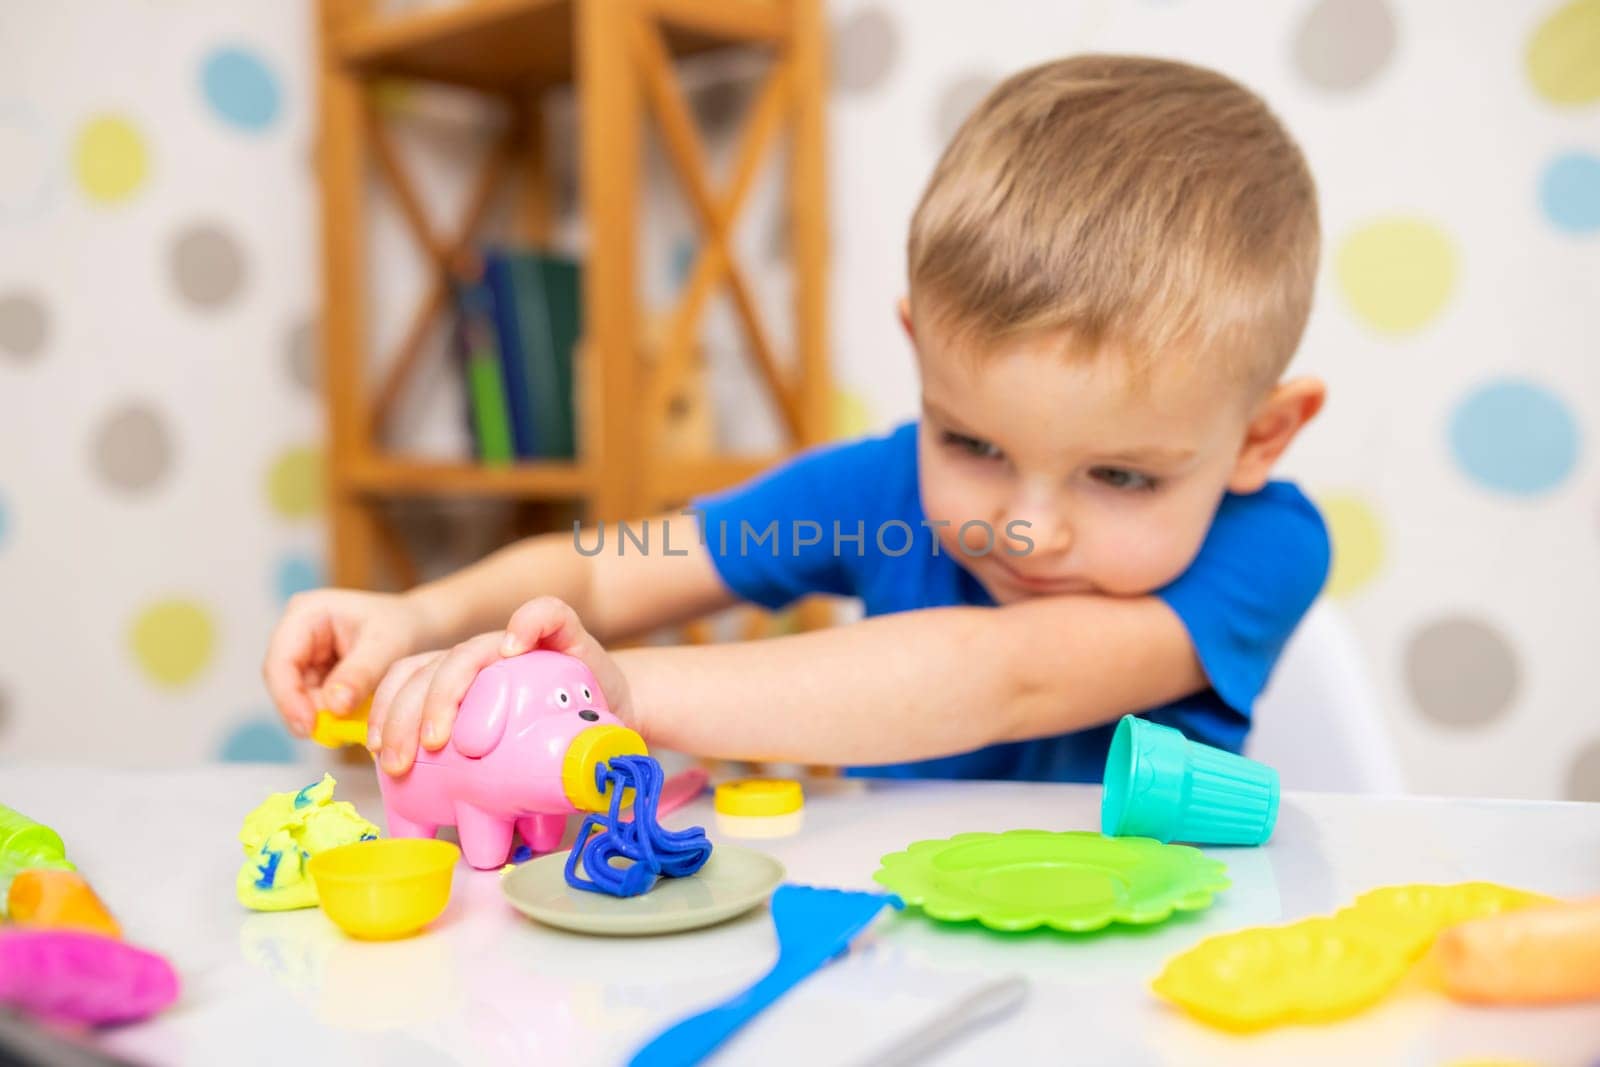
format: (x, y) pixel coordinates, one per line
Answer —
(1160, 784)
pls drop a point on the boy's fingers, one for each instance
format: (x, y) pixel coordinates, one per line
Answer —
(543, 622)
(548, 622)
(450, 683)
(355, 676)
(400, 724)
(281, 670)
(294, 704)
(383, 696)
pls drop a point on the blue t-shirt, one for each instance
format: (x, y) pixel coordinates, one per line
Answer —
(847, 520)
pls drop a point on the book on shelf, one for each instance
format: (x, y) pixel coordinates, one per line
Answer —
(478, 355)
(561, 288)
(535, 300)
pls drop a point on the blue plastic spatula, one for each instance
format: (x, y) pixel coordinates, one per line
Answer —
(814, 925)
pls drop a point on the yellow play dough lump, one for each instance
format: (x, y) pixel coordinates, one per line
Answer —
(285, 831)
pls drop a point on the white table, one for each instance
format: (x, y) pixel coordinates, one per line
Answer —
(487, 986)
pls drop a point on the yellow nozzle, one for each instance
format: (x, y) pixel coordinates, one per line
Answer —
(597, 744)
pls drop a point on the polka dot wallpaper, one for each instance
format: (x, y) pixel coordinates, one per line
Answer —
(207, 267)
(23, 325)
(1341, 45)
(161, 436)
(160, 488)
(1396, 274)
(111, 161)
(240, 87)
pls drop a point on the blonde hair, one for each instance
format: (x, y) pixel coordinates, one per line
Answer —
(1136, 202)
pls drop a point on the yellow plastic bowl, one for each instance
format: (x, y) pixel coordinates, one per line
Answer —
(379, 890)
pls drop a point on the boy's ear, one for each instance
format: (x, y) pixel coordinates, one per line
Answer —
(904, 307)
(1277, 419)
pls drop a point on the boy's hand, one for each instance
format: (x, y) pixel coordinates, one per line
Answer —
(332, 646)
(421, 693)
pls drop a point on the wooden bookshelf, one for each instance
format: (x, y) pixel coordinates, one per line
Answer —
(621, 56)
(506, 45)
(383, 476)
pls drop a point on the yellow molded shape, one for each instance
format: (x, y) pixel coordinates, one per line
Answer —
(1325, 968)
(1412, 916)
(334, 731)
(1310, 971)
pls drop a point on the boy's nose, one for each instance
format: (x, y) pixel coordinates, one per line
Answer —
(1036, 523)
(1034, 531)
(1046, 536)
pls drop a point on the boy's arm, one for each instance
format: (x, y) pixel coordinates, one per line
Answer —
(915, 685)
(617, 595)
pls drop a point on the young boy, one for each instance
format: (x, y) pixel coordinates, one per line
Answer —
(1109, 272)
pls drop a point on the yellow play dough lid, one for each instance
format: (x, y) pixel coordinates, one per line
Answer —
(759, 797)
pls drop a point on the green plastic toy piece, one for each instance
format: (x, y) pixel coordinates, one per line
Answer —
(26, 845)
(1074, 881)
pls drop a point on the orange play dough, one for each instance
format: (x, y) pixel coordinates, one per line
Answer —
(58, 900)
(1537, 955)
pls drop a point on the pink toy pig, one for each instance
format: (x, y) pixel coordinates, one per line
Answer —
(522, 756)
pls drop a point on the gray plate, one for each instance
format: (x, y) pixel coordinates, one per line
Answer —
(733, 881)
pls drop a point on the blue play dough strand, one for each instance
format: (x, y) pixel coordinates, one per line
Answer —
(269, 870)
(654, 852)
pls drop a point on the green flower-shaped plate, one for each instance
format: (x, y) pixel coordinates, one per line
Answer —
(1074, 881)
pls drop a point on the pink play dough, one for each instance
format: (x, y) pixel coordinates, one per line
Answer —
(73, 976)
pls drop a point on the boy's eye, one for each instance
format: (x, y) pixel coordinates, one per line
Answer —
(976, 447)
(1122, 478)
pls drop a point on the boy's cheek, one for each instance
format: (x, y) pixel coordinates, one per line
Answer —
(950, 495)
(1136, 558)
(1138, 575)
